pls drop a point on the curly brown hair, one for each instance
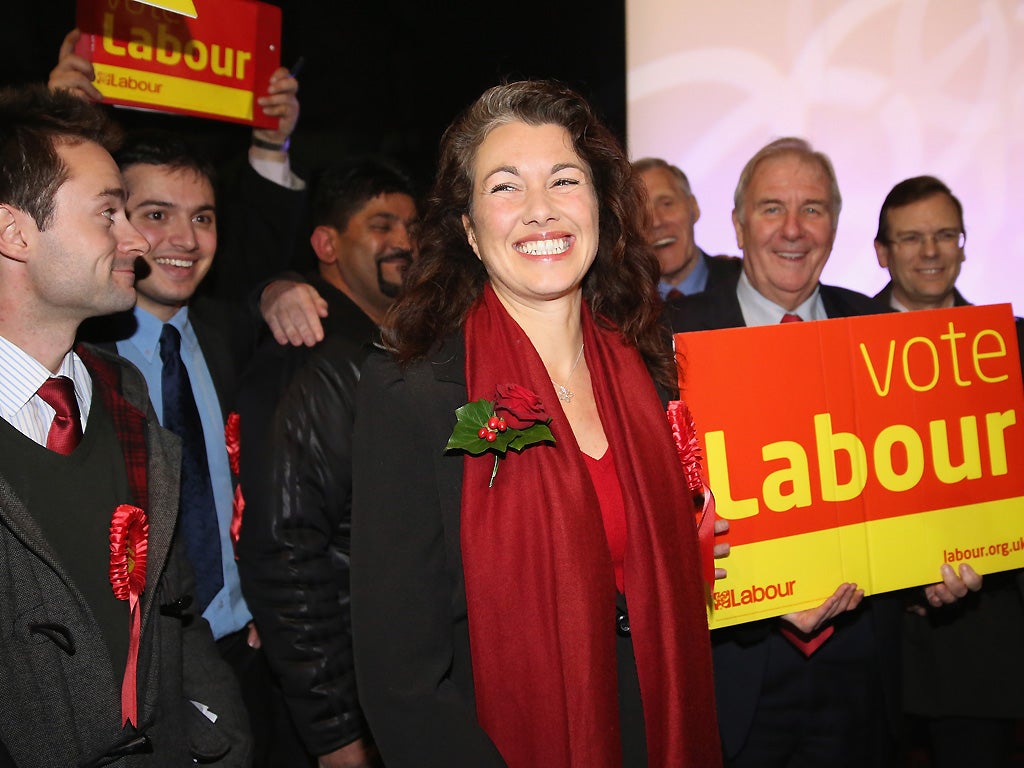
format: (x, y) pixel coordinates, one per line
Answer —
(621, 285)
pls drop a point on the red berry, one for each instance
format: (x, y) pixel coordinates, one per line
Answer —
(502, 426)
(482, 433)
(492, 423)
(491, 436)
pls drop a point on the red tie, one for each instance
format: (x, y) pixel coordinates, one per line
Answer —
(807, 644)
(66, 430)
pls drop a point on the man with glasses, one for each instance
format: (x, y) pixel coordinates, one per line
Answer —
(920, 241)
(963, 672)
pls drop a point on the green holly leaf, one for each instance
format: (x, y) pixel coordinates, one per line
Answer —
(471, 417)
(538, 433)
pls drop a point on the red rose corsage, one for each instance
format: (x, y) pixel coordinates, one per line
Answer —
(684, 435)
(233, 441)
(129, 540)
(514, 420)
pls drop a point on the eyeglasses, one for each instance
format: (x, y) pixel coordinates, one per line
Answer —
(944, 239)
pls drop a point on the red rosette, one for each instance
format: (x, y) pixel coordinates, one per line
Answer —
(684, 435)
(233, 440)
(129, 541)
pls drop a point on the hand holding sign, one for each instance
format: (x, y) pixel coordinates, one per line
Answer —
(281, 102)
(73, 72)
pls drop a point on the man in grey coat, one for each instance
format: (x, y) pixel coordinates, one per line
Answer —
(103, 660)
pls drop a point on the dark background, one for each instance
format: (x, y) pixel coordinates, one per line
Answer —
(383, 75)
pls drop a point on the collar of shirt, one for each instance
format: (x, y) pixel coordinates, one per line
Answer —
(695, 282)
(758, 310)
(146, 338)
(895, 304)
(21, 375)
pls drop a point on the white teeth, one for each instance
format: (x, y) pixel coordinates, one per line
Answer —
(790, 256)
(175, 262)
(663, 242)
(544, 247)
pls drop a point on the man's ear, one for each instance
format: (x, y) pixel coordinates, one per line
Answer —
(324, 242)
(13, 223)
(470, 234)
(882, 253)
(739, 229)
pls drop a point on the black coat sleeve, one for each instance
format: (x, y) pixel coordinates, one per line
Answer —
(294, 545)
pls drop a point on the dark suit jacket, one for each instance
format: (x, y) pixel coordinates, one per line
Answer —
(403, 612)
(741, 653)
(61, 708)
(723, 272)
(885, 296)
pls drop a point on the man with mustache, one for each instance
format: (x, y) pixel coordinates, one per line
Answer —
(296, 464)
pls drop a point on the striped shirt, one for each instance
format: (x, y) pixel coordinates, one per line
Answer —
(21, 375)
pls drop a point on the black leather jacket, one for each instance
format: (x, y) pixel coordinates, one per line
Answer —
(294, 544)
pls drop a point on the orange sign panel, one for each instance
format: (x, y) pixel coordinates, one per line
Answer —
(868, 449)
(213, 65)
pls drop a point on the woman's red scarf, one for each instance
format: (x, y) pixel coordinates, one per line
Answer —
(540, 587)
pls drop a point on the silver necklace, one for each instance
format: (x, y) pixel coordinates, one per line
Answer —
(564, 393)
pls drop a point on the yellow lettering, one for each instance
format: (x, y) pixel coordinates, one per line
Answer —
(906, 364)
(979, 355)
(796, 475)
(887, 475)
(168, 47)
(995, 425)
(952, 337)
(221, 67)
(882, 391)
(828, 445)
(240, 59)
(141, 45)
(108, 37)
(718, 479)
(196, 55)
(944, 469)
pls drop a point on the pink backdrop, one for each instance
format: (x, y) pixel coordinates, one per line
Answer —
(887, 88)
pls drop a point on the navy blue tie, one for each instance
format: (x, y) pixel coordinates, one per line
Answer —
(198, 521)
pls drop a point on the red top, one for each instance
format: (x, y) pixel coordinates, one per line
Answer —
(613, 509)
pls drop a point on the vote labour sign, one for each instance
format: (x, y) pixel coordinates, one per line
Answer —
(869, 449)
(214, 65)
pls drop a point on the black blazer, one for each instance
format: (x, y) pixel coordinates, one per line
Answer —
(740, 653)
(403, 614)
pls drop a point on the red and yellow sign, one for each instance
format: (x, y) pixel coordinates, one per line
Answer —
(214, 65)
(868, 449)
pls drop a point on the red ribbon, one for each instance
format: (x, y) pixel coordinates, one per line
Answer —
(685, 437)
(233, 441)
(129, 532)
